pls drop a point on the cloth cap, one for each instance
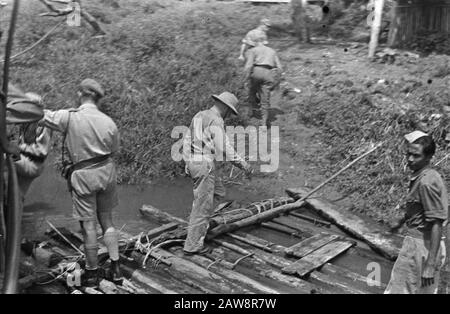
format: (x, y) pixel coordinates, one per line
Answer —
(92, 86)
(23, 107)
(414, 136)
(228, 99)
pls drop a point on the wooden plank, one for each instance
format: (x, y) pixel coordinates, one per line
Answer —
(332, 282)
(331, 269)
(310, 245)
(375, 235)
(306, 265)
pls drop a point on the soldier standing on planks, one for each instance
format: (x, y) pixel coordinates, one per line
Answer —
(262, 72)
(426, 211)
(205, 144)
(249, 40)
(92, 138)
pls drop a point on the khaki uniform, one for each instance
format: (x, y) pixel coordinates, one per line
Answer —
(90, 133)
(265, 68)
(207, 142)
(426, 202)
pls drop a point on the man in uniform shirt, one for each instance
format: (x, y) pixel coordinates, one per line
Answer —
(203, 145)
(423, 252)
(262, 71)
(92, 138)
(253, 35)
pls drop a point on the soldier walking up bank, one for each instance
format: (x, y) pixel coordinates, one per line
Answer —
(92, 138)
(263, 74)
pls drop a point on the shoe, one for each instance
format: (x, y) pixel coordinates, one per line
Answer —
(203, 251)
(114, 273)
(90, 278)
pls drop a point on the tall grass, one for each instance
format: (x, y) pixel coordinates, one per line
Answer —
(159, 63)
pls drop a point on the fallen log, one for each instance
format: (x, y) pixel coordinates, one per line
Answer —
(373, 234)
(261, 268)
(172, 280)
(141, 277)
(208, 278)
(264, 269)
(231, 275)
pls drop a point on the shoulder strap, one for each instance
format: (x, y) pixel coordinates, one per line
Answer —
(63, 148)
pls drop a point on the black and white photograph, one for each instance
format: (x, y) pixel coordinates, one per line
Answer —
(228, 153)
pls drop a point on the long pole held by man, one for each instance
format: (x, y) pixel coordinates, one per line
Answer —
(205, 144)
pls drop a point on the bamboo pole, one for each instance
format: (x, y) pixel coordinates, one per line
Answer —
(376, 25)
(272, 213)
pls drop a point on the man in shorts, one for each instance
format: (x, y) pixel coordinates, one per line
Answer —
(91, 138)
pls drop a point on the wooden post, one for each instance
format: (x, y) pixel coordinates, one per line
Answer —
(376, 25)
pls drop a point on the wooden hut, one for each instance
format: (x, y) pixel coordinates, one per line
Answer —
(411, 16)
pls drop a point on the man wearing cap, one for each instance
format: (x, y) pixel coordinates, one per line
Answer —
(258, 33)
(92, 138)
(205, 144)
(426, 209)
(262, 71)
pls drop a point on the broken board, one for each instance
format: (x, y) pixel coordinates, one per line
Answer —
(375, 235)
(310, 245)
(316, 259)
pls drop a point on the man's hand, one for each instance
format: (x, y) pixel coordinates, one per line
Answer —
(241, 58)
(396, 224)
(428, 273)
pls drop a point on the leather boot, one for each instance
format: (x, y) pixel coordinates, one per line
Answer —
(114, 273)
(90, 278)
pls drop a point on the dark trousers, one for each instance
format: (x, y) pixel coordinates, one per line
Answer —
(262, 82)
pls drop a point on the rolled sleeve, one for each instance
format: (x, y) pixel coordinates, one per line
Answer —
(432, 195)
(56, 120)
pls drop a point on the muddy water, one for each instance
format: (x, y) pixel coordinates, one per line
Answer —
(48, 199)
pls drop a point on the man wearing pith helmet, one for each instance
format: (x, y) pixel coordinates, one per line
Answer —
(91, 139)
(204, 145)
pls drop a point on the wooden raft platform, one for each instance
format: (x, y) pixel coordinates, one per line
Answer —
(294, 253)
